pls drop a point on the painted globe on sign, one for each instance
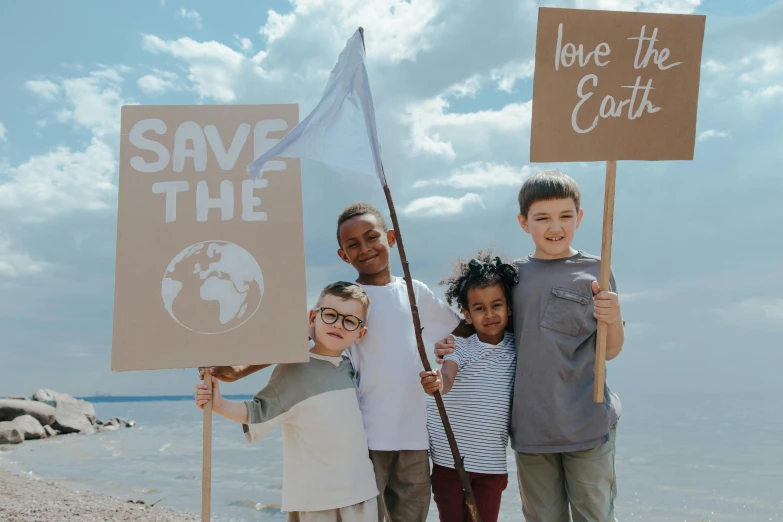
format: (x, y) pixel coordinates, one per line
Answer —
(212, 287)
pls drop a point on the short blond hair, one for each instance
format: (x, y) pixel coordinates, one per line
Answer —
(346, 291)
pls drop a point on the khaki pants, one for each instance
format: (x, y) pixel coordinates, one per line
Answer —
(364, 512)
(403, 479)
(549, 482)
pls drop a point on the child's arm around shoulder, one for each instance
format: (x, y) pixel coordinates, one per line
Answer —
(437, 317)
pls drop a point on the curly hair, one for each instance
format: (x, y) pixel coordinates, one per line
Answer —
(482, 271)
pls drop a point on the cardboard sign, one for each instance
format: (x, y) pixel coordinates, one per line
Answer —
(615, 86)
(210, 264)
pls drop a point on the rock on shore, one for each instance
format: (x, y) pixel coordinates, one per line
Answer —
(50, 413)
(13, 408)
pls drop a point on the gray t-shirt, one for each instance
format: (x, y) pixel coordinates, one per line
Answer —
(553, 409)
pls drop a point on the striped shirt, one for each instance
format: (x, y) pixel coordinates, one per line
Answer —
(478, 406)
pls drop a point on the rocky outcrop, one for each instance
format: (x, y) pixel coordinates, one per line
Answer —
(9, 433)
(29, 427)
(70, 418)
(72, 404)
(44, 395)
(50, 413)
(13, 408)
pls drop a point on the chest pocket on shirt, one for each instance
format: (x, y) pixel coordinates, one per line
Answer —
(565, 311)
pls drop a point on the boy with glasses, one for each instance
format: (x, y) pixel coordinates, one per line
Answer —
(327, 472)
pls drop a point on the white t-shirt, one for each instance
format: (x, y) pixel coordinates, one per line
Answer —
(394, 406)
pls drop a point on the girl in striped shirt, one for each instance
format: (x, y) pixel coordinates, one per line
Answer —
(477, 383)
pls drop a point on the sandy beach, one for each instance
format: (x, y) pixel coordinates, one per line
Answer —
(30, 499)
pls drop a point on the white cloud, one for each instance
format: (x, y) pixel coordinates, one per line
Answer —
(91, 102)
(766, 63)
(16, 262)
(754, 311)
(762, 94)
(60, 181)
(712, 133)
(245, 45)
(756, 77)
(481, 175)
(277, 25)
(469, 87)
(46, 89)
(212, 66)
(94, 101)
(714, 66)
(3, 132)
(441, 205)
(400, 28)
(436, 131)
(193, 16)
(653, 6)
(157, 83)
(508, 75)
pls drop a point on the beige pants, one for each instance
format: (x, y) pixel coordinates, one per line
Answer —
(403, 479)
(585, 481)
(364, 512)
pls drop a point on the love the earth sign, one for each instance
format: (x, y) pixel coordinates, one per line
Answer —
(614, 85)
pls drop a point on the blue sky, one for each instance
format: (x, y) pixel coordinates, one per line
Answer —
(696, 246)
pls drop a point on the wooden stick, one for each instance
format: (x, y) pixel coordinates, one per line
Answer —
(206, 457)
(605, 279)
(470, 500)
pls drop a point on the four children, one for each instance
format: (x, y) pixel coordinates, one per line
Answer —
(534, 384)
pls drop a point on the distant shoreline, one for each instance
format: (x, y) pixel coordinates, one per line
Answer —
(152, 398)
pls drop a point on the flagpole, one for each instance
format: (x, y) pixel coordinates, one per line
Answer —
(470, 500)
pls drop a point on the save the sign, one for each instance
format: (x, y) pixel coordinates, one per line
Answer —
(210, 264)
(190, 141)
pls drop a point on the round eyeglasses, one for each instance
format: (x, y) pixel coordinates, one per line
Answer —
(330, 316)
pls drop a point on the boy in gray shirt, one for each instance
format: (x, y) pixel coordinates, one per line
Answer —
(564, 442)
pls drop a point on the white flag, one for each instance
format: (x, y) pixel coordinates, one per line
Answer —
(340, 132)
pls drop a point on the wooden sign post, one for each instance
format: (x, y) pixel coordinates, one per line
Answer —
(610, 86)
(209, 263)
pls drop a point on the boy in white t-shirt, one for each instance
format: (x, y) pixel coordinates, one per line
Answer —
(394, 409)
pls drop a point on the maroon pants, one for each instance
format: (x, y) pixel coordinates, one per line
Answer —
(447, 490)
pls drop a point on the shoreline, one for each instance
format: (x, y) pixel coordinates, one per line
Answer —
(28, 498)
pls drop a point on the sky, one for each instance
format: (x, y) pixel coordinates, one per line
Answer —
(697, 244)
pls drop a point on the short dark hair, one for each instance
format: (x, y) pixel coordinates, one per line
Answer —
(359, 209)
(346, 291)
(546, 185)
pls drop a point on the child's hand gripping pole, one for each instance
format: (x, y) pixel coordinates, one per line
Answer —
(604, 279)
(470, 499)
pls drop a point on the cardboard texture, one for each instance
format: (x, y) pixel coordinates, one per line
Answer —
(210, 265)
(638, 97)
